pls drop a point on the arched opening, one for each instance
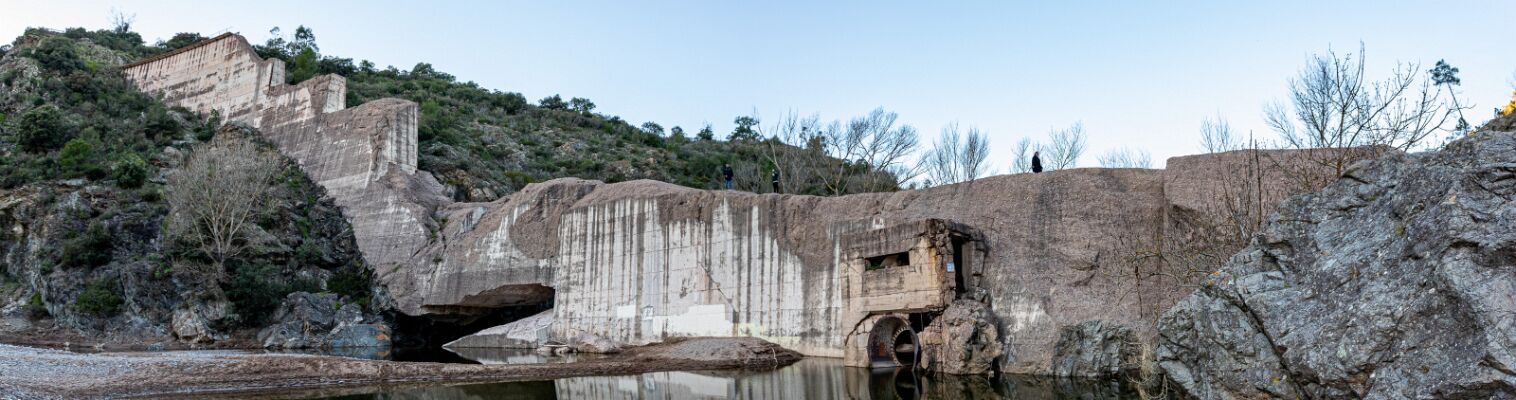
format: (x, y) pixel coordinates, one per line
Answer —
(892, 344)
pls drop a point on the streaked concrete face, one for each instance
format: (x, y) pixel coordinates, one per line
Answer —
(642, 261)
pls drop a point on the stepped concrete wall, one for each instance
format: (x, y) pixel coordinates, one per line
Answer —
(365, 157)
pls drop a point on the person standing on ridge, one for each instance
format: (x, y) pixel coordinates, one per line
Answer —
(775, 180)
(1036, 163)
(726, 173)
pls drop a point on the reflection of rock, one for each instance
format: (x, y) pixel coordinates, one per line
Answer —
(1096, 349)
(525, 333)
(517, 356)
(316, 321)
(963, 340)
(1395, 281)
(359, 335)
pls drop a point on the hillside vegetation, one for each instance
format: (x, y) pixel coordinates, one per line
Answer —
(487, 143)
(91, 240)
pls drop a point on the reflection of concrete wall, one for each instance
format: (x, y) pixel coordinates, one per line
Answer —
(808, 379)
(827, 379)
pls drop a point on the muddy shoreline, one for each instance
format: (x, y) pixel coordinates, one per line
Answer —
(34, 373)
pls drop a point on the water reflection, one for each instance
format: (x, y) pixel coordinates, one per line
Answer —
(518, 356)
(807, 379)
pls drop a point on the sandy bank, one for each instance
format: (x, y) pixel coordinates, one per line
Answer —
(32, 373)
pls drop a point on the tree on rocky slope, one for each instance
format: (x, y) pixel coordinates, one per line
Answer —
(214, 198)
(1333, 104)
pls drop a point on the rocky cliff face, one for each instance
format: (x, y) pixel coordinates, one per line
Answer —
(1396, 281)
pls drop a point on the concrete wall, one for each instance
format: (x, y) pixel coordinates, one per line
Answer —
(641, 261)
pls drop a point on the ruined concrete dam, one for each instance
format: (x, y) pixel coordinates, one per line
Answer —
(864, 277)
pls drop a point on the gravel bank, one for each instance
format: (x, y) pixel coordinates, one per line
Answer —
(32, 373)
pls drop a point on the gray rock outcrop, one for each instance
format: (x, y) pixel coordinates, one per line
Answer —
(963, 341)
(1096, 349)
(1396, 281)
(321, 321)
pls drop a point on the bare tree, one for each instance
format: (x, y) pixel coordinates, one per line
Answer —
(1216, 135)
(1126, 158)
(794, 150)
(1334, 106)
(1023, 153)
(121, 22)
(956, 156)
(214, 197)
(867, 145)
(1065, 147)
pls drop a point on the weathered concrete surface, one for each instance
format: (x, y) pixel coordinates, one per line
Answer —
(365, 157)
(1395, 281)
(525, 333)
(642, 261)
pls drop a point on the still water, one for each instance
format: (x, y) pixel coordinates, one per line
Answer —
(811, 378)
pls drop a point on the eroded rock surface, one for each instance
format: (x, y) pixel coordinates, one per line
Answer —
(1096, 349)
(964, 340)
(322, 321)
(1396, 281)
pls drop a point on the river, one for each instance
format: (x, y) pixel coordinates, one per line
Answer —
(811, 378)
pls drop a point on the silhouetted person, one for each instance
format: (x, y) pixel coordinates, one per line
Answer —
(726, 173)
(1036, 164)
(776, 181)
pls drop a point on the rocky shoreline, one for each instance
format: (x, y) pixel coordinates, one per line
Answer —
(34, 373)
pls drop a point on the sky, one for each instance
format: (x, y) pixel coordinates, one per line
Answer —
(1139, 75)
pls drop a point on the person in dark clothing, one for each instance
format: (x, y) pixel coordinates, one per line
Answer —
(1036, 163)
(726, 173)
(776, 181)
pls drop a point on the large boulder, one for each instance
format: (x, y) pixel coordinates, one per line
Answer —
(592, 343)
(1096, 349)
(962, 341)
(525, 333)
(322, 321)
(1396, 281)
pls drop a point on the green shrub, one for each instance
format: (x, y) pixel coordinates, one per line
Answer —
(41, 129)
(256, 290)
(352, 282)
(99, 299)
(130, 171)
(58, 54)
(91, 249)
(150, 194)
(160, 124)
(34, 306)
(77, 157)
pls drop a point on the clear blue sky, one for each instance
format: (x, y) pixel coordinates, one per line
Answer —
(1138, 74)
